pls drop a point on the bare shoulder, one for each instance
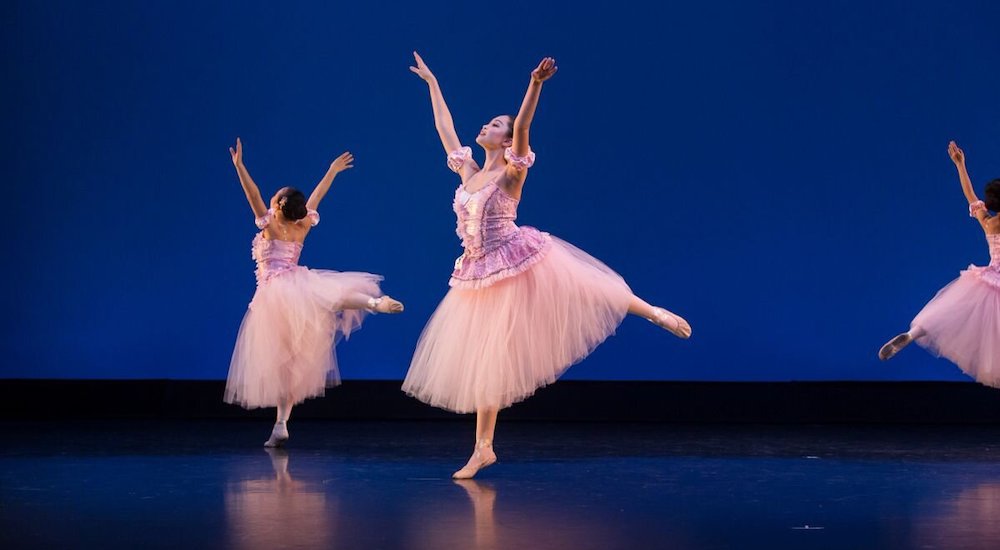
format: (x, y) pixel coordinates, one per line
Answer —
(288, 231)
(469, 169)
(302, 226)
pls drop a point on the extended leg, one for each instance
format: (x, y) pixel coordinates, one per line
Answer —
(660, 317)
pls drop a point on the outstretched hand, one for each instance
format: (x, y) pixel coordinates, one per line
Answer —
(342, 163)
(421, 69)
(545, 70)
(237, 153)
(956, 153)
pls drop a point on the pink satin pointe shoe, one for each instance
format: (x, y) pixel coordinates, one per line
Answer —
(279, 435)
(675, 324)
(483, 457)
(892, 347)
(385, 304)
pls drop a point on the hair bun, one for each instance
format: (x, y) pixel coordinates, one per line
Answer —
(293, 205)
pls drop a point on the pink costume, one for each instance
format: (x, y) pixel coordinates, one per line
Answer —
(962, 322)
(523, 307)
(284, 351)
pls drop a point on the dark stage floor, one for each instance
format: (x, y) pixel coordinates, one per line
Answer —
(131, 484)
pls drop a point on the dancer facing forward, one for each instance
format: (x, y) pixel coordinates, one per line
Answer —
(284, 351)
(962, 322)
(524, 306)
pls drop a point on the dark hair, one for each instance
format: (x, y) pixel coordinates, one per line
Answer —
(510, 127)
(993, 195)
(293, 204)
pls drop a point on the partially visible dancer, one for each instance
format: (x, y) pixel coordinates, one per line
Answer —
(962, 322)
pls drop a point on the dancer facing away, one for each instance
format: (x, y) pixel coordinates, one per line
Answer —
(523, 306)
(284, 351)
(962, 322)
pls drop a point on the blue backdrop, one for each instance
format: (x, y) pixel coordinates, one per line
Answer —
(774, 171)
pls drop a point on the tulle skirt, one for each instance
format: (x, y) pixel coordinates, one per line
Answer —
(284, 351)
(962, 324)
(494, 346)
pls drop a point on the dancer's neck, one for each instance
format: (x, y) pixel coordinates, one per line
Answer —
(494, 160)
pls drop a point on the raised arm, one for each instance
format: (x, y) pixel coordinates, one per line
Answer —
(522, 124)
(958, 157)
(249, 187)
(442, 116)
(342, 163)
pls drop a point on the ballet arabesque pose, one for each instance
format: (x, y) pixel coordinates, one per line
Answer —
(284, 351)
(523, 305)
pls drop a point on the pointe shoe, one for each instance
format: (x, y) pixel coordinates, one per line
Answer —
(385, 304)
(279, 435)
(892, 347)
(482, 457)
(675, 324)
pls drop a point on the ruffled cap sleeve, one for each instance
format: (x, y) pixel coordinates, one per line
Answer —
(262, 221)
(519, 163)
(458, 158)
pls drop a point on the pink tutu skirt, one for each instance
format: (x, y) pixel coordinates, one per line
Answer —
(284, 351)
(962, 324)
(494, 346)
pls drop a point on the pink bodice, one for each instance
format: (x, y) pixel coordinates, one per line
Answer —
(990, 274)
(495, 247)
(994, 242)
(274, 256)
